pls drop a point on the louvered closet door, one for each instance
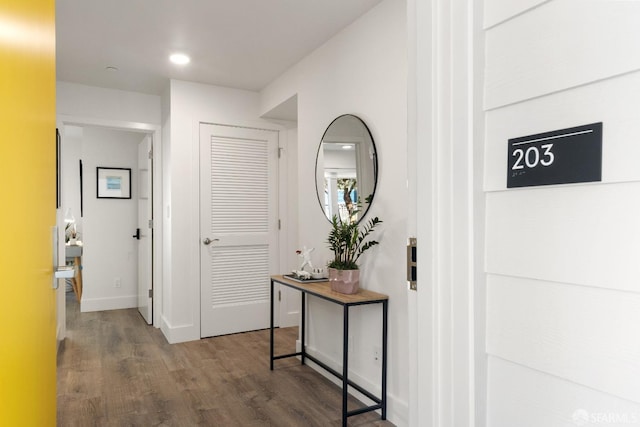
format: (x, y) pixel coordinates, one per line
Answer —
(238, 202)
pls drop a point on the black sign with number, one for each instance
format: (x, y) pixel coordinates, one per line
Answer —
(563, 156)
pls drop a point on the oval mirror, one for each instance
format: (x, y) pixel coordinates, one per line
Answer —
(346, 169)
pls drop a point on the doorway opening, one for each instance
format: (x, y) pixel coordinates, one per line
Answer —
(119, 235)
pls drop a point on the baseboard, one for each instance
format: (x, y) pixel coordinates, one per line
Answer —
(397, 410)
(113, 303)
(59, 340)
(60, 347)
(290, 319)
(176, 334)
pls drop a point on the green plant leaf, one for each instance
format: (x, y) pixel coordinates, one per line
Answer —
(348, 242)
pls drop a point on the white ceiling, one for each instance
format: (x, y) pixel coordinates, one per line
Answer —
(242, 44)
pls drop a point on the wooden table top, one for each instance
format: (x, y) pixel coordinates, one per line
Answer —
(323, 290)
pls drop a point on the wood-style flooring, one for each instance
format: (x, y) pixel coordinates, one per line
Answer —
(114, 370)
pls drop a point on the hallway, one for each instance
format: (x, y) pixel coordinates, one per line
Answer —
(114, 370)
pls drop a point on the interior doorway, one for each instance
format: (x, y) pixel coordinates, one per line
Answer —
(107, 227)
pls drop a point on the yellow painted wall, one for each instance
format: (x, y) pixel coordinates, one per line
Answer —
(27, 213)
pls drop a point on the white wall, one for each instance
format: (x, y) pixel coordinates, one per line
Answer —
(109, 251)
(165, 211)
(71, 138)
(82, 101)
(562, 270)
(114, 109)
(360, 71)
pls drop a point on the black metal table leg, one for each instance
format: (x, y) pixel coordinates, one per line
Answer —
(271, 327)
(385, 305)
(369, 298)
(345, 365)
(304, 327)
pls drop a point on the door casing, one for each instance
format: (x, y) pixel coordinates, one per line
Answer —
(155, 131)
(235, 239)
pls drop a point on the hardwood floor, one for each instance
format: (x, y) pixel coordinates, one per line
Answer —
(114, 370)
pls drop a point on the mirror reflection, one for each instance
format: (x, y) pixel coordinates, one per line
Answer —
(346, 169)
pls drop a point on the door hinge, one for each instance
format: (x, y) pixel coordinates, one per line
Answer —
(151, 223)
(279, 295)
(280, 149)
(151, 154)
(279, 224)
(150, 293)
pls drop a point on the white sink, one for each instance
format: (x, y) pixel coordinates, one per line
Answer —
(72, 251)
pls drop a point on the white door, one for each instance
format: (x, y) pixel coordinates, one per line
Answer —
(144, 233)
(238, 225)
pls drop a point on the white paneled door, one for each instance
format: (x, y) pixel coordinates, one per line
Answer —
(144, 233)
(238, 227)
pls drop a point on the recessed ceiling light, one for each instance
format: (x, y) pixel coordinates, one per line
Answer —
(179, 58)
(347, 147)
(111, 68)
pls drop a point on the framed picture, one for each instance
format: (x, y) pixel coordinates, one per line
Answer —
(113, 183)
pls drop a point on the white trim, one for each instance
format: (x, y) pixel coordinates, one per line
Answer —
(288, 224)
(445, 139)
(111, 303)
(177, 334)
(107, 123)
(477, 321)
(156, 131)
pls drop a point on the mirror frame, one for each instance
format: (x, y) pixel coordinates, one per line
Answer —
(366, 206)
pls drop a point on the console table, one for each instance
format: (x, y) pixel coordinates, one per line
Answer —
(362, 297)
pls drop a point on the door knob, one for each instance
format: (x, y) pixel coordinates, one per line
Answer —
(207, 241)
(137, 235)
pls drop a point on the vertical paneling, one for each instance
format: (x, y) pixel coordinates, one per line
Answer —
(585, 335)
(563, 44)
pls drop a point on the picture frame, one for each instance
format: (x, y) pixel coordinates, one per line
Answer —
(113, 183)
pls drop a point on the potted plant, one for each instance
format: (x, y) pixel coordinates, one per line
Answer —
(348, 241)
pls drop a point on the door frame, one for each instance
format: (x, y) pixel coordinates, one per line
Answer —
(448, 366)
(144, 217)
(274, 235)
(285, 245)
(156, 132)
(288, 313)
